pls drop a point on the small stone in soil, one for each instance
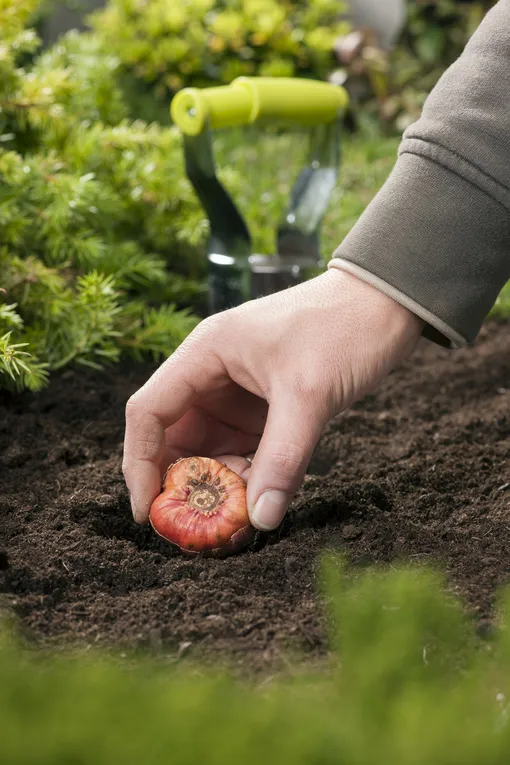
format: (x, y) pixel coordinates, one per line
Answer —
(351, 531)
(291, 566)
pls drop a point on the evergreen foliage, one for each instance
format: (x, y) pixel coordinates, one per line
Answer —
(101, 235)
(100, 230)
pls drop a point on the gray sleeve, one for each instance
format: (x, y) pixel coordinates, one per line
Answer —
(437, 236)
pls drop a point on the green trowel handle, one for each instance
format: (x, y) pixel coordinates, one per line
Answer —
(250, 99)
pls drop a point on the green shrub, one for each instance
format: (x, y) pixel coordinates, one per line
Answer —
(169, 44)
(435, 36)
(394, 85)
(101, 232)
(501, 308)
(102, 236)
(411, 685)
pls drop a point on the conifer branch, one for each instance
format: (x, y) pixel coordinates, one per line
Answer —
(95, 214)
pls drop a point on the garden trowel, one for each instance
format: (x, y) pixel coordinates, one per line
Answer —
(236, 273)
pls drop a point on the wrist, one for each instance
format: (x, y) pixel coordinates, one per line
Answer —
(385, 300)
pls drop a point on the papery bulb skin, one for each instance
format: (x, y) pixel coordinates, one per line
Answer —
(202, 508)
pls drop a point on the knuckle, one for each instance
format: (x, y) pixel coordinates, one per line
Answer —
(211, 327)
(287, 458)
(315, 393)
(126, 466)
(139, 443)
(147, 449)
(206, 341)
(133, 406)
(215, 320)
(307, 386)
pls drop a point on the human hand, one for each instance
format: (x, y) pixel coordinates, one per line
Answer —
(264, 377)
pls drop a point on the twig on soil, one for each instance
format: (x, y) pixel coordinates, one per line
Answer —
(183, 648)
(265, 682)
(479, 539)
(73, 546)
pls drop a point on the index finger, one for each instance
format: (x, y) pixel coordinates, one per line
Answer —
(161, 402)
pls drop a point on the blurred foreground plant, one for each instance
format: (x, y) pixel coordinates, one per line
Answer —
(409, 684)
(168, 44)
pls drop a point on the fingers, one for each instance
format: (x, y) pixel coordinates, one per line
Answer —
(239, 465)
(144, 447)
(200, 433)
(162, 401)
(233, 405)
(291, 434)
(231, 443)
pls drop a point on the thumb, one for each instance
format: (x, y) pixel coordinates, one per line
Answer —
(285, 449)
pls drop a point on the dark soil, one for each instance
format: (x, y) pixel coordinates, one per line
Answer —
(417, 472)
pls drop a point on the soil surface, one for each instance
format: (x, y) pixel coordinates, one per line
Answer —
(417, 472)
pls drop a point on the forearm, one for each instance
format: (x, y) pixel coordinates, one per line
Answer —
(437, 236)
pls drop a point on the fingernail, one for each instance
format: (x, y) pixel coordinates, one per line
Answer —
(133, 508)
(269, 509)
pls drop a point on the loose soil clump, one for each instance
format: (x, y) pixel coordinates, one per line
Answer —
(417, 472)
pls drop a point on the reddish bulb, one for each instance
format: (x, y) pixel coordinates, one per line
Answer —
(202, 508)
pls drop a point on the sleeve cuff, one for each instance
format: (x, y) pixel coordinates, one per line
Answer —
(436, 330)
(435, 242)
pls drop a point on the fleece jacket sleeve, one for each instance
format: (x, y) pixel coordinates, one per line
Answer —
(437, 236)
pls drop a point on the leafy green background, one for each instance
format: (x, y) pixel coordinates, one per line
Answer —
(169, 44)
(103, 240)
